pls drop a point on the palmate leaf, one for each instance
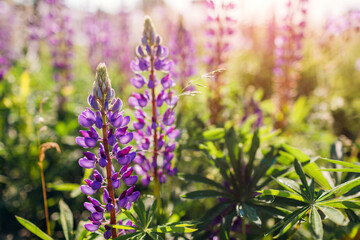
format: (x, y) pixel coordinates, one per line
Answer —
(316, 225)
(292, 217)
(265, 164)
(201, 179)
(302, 177)
(66, 219)
(310, 168)
(334, 215)
(337, 203)
(234, 151)
(282, 193)
(205, 194)
(288, 184)
(255, 143)
(353, 170)
(33, 228)
(341, 189)
(139, 208)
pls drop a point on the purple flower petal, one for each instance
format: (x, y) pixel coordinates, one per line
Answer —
(126, 138)
(87, 190)
(81, 142)
(97, 216)
(90, 142)
(91, 227)
(86, 163)
(134, 196)
(130, 180)
(89, 207)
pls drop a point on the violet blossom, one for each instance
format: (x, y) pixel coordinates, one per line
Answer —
(220, 29)
(156, 132)
(6, 54)
(183, 53)
(59, 33)
(288, 54)
(105, 115)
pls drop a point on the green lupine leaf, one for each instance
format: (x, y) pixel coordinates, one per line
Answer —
(132, 217)
(234, 152)
(139, 208)
(223, 235)
(172, 229)
(334, 215)
(342, 188)
(125, 227)
(150, 212)
(252, 214)
(301, 174)
(351, 204)
(264, 166)
(342, 163)
(201, 179)
(129, 236)
(155, 236)
(289, 218)
(205, 194)
(255, 143)
(212, 213)
(64, 186)
(66, 219)
(33, 228)
(291, 221)
(316, 225)
(282, 193)
(80, 231)
(354, 170)
(288, 184)
(311, 168)
(214, 134)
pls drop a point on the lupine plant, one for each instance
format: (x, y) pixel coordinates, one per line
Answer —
(156, 132)
(241, 177)
(220, 28)
(6, 54)
(183, 53)
(113, 125)
(288, 55)
(59, 33)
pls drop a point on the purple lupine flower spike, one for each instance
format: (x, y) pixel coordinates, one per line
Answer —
(153, 72)
(59, 33)
(288, 55)
(107, 117)
(183, 51)
(220, 29)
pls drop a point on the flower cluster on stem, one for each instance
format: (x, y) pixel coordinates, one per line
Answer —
(107, 118)
(156, 132)
(183, 51)
(288, 54)
(59, 33)
(6, 54)
(220, 29)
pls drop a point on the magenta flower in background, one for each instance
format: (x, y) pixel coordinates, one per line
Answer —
(288, 54)
(219, 31)
(155, 130)
(6, 54)
(183, 52)
(107, 126)
(98, 29)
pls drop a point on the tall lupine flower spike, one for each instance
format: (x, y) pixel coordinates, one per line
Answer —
(155, 130)
(220, 29)
(288, 55)
(6, 54)
(59, 33)
(104, 114)
(183, 53)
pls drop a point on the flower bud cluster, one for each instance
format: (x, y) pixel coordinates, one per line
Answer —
(108, 117)
(155, 130)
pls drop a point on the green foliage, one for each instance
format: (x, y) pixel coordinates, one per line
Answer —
(33, 228)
